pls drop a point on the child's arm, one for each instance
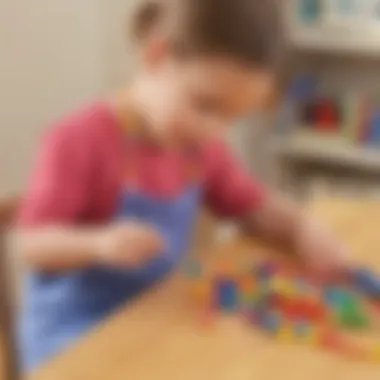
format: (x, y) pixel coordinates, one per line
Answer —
(53, 249)
(232, 193)
(48, 234)
(281, 222)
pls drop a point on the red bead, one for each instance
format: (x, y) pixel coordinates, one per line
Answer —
(376, 306)
(311, 309)
(331, 340)
(354, 350)
(319, 312)
(284, 303)
(207, 318)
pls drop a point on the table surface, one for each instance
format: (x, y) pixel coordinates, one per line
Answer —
(159, 337)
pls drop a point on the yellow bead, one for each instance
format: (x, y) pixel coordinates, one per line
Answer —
(313, 336)
(374, 354)
(248, 298)
(247, 283)
(225, 266)
(285, 334)
(288, 289)
(278, 284)
(201, 291)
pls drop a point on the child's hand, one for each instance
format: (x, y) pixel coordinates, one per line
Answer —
(321, 251)
(128, 244)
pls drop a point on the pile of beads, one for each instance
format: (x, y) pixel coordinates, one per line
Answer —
(290, 306)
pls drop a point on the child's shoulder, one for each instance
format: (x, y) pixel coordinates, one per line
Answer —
(215, 149)
(90, 122)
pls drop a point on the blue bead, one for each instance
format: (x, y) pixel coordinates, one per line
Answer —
(227, 294)
(192, 268)
(271, 321)
(266, 270)
(301, 328)
(367, 282)
(334, 295)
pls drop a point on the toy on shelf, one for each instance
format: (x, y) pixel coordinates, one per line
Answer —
(343, 115)
(287, 304)
(309, 10)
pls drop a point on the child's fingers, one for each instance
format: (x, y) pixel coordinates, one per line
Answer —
(326, 270)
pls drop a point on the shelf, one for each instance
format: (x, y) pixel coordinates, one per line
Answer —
(328, 151)
(336, 39)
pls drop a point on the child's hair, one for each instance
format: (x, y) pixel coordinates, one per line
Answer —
(249, 30)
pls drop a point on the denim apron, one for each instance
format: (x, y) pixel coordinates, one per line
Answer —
(60, 308)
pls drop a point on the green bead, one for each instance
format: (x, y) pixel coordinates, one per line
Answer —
(247, 299)
(192, 268)
(355, 323)
(353, 318)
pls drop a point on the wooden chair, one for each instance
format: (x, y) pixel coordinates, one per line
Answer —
(8, 206)
(9, 361)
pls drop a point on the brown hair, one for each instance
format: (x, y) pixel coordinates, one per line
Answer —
(249, 30)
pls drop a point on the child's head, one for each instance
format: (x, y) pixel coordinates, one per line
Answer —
(204, 63)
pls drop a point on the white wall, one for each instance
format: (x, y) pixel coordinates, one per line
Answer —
(51, 59)
(118, 48)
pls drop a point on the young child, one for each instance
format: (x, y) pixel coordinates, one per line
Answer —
(114, 192)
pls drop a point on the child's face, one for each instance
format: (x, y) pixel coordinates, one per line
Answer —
(192, 100)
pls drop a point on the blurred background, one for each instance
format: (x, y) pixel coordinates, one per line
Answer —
(55, 55)
(327, 133)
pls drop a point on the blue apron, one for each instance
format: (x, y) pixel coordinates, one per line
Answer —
(60, 308)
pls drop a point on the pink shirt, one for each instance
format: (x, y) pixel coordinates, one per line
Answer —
(85, 161)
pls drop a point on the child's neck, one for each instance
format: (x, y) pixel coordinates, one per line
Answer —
(129, 110)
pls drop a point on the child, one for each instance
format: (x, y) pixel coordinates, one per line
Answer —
(116, 186)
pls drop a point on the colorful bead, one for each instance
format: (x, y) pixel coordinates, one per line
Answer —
(289, 289)
(201, 291)
(224, 267)
(271, 321)
(374, 354)
(288, 307)
(226, 294)
(207, 317)
(334, 296)
(314, 335)
(367, 281)
(279, 283)
(285, 333)
(247, 283)
(330, 340)
(301, 328)
(354, 350)
(351, 315)
(193, 268)
(267, 269)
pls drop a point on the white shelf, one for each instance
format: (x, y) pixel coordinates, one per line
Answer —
(329, 152)
(336, 40)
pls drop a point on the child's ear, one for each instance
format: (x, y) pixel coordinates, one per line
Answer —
(154, 52)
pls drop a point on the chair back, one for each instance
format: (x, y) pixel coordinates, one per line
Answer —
(9, 363)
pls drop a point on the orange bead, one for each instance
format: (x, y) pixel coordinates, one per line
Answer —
(354, 350)
(331, 340)
(224, 267)
(201, 292)
(247, 283)
(374, 354)
(207, 318)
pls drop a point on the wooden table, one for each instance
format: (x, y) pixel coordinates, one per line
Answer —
(159, 338)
